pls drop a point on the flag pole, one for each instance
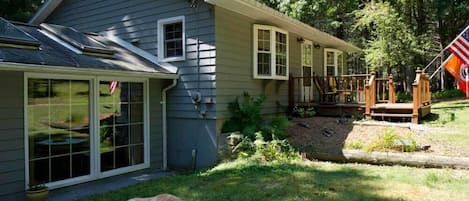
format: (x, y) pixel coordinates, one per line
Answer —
(441, 66)
(459, 35)
(467, 83)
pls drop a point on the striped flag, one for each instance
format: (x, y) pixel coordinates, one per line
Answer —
(460, 46)
(113, 86)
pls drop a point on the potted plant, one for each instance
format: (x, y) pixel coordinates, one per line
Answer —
(38, 192)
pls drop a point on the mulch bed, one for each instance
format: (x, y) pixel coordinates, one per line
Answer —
(329, 135)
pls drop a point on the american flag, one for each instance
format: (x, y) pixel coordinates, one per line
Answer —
(460, 46)
(113, 86)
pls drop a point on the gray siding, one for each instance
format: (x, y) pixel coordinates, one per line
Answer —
(12, 168)
(156, 131)
(137, 19)
(234, 33)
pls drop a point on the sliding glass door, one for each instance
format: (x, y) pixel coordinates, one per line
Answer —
(121, 127)
(58, 129)
(83, 129)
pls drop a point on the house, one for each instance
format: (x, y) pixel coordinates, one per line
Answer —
(172, 65)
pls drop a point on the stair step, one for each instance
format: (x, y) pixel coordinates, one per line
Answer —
(390, 115)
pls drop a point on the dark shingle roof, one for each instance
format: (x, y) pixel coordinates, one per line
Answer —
(51, 53)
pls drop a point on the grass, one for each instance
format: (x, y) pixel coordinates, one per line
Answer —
(442, 113)
(244, 180)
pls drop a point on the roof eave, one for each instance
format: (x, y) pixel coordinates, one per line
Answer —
(280, 17)
(11, 66)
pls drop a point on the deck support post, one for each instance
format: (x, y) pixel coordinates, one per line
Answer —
(416, 96)
(370, 95)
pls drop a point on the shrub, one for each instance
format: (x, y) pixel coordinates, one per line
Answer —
(304, 112)
(390, 141)
(450, 93)
(246, 117)
(275, 150)
(353, 145)
(403, 97)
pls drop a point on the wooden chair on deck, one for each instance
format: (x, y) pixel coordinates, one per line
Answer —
(327, 90)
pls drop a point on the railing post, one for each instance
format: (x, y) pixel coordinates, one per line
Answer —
(392, 91)
(370, 94)
(291, 93)
(417, 99)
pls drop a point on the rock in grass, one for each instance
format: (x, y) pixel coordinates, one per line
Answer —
(304, 125)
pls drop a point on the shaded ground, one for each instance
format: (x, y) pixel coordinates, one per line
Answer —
(331, 135)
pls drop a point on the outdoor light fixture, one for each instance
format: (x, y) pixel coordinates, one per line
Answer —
(316, 45)
(300, 39)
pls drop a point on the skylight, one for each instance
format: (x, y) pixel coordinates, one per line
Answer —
(11, 35)
(79, 40)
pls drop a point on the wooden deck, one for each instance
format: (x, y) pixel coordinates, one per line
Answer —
(366, 94)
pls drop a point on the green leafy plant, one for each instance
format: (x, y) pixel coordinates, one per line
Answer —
(451, 93)
(246, 117)
(275, 150)
(353, 145)
(403, 97)
(304, 112)
(391, 141)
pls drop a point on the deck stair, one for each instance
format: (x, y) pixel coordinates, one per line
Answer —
(381, 103)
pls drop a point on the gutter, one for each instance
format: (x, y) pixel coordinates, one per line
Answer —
(165, 126)
(44, 11)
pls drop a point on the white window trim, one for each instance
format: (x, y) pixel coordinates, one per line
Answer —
(95, 167)
(272, 30)
(307, 42)
(161, 24)
(336, 63)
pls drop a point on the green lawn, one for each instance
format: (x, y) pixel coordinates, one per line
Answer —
(442, 112)
(305, 181)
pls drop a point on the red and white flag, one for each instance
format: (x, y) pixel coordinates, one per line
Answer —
(113, 86)
(460, 46)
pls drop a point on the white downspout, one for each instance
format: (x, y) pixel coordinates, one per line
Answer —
(165, 127)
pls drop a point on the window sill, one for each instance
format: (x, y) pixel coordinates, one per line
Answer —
(271, 77)
(172, 59)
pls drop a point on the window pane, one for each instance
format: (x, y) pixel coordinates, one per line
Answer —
(58, 119)
(121, 125)
(263, 64)
(136, 154)
(307, 76)
(39, 171)
(136, 134)
(173, 41)
(60, 168)
(80, 164)
(330, 58)
(281, 54)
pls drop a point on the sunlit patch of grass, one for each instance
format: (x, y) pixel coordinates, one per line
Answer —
(248, 180)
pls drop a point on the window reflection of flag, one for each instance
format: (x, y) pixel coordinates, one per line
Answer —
(113, 86)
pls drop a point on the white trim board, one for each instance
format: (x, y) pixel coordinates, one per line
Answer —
(34, 68)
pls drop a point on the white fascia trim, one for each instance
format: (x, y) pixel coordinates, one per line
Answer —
(146, 55)
(160, 24)
(10, 66)
(44, 11)
(259, 7)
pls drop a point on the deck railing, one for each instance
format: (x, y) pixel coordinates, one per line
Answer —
(343, 89)
(421, 93)
(379, 90)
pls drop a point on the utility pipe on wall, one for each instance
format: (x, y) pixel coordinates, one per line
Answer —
(165, 127)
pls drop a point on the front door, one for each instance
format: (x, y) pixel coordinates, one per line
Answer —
(307, 71)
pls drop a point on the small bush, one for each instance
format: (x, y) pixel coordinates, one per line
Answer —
(390, 141)
(274, 150)
(403, 97)
(450, 93)
(246, 117)
(304, 112)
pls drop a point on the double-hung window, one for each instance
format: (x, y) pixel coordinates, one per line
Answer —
(171, 39)
(333, 62)
(270, 53)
